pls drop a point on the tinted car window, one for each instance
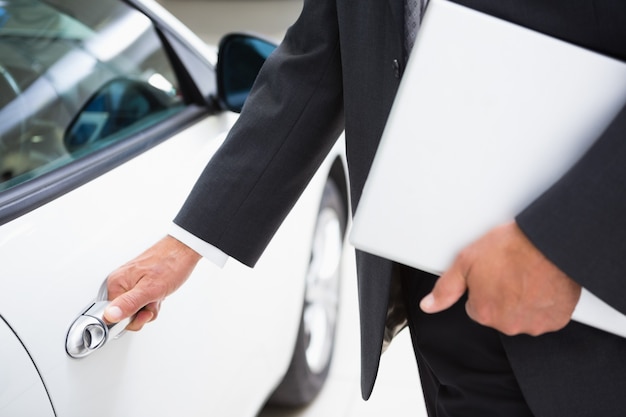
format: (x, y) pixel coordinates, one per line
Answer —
(76, 76)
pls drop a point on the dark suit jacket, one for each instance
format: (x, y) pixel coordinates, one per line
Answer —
(339, 67)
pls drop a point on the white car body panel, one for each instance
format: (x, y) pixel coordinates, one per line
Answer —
(221, 343)
(21, 390)
(226, 332)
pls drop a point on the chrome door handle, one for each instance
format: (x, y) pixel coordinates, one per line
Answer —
(89, 332)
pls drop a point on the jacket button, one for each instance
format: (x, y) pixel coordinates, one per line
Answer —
(396, 68)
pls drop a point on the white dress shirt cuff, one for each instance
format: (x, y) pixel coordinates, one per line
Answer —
(594, 312)
(205, 249)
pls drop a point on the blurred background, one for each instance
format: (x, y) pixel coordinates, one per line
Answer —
(397, 391)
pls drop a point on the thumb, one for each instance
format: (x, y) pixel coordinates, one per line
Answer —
(113, 314)
(448, 289)
(124, 306)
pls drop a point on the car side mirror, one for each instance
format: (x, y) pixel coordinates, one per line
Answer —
(239, 61)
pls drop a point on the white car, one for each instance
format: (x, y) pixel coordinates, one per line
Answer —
(109, 110)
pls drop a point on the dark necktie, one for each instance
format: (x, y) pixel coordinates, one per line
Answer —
(413, 10)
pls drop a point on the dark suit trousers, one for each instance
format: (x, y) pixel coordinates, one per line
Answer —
(463, 368)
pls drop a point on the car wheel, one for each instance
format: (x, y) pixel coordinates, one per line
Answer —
(313, 351)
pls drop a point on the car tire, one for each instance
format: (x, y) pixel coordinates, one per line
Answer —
(315, 342)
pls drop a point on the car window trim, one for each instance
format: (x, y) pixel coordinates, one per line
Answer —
(178, 47)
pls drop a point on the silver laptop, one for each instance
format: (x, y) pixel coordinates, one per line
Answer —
(488, 116)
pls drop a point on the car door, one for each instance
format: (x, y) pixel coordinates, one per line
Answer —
(106, 122)
(101, 138)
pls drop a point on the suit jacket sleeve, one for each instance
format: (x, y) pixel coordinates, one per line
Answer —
(288, 125)
(580, 223)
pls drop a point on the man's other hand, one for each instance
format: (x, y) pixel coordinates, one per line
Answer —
(138, 287)
(511, 286)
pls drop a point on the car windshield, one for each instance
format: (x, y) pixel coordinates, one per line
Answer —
(76, 76)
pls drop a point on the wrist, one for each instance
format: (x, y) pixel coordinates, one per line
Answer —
(182, 251)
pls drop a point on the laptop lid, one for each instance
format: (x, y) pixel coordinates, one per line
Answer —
(488, 115)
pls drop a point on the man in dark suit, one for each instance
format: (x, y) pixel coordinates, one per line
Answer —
(339, 67)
